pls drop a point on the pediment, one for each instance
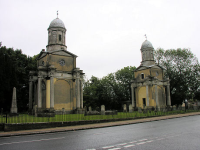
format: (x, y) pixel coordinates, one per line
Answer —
(63, 53)
(58, 52)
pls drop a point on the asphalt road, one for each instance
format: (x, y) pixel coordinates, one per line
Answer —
(172, 134)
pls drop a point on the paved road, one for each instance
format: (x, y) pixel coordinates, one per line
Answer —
(174, 134)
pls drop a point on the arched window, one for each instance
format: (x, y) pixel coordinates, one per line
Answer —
(142, 75)
(59, 37)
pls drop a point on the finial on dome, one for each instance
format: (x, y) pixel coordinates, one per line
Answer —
(145, 36)
(57, 13)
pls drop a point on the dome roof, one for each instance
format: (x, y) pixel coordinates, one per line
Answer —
(57, 23)
(146, 44)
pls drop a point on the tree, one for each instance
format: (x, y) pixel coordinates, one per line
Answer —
(112, 90)
(183, 70)
(14, 72)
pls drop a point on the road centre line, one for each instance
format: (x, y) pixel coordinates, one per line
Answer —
(106, 147)
(128, 146)
(149, 141)
(114, 149)
(32, 141)
(122, 144)
(133, 142)
(140, 143)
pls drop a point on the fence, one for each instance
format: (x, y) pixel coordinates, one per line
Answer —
(26, 118)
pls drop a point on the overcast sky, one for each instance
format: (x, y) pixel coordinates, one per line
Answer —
(106, 35)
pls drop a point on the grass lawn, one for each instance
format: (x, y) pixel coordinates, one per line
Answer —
(25, 118)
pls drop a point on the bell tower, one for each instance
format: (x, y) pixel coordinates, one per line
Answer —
(147, 53)
(56, 35)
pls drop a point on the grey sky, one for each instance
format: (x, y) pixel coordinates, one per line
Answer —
(105, 34)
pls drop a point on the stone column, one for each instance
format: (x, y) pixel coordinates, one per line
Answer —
(52, 92)
(30, 94)
(81, 93)
(156, 94)
(48, 93)
(147, 94)
(78, 90)
(39, 92)
(133, 96)
(35, 94)
(168, 96)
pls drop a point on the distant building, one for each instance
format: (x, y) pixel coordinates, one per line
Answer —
(57, 83)
(150, 88)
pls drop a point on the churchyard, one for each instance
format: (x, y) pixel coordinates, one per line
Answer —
(91, 115)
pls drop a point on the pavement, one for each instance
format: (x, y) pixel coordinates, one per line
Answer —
(92, 126)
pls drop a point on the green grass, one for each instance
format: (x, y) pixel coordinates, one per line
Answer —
(25, 118)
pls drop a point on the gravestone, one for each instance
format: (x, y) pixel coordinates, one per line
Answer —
(139, 110)
(124, 108)
(13, 109)
(63, 110)
(130, 108)
(174, 107)
(85, 109)
(90, 108)
(102, 109)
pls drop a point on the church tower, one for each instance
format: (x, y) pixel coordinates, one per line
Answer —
(57, 83)
(150, 88)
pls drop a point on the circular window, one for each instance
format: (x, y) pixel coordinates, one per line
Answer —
(62, 62)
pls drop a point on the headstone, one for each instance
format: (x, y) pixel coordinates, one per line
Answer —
(13, 109)
(102, 109)
(85, 109)
(198, 103)
(174, 107)
(139, 110)
(130, 108)
(90, 108)
(124, 108)
(63, 110)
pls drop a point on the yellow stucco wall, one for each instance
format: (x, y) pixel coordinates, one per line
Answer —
(157, 72)
(137, 74)
(62, 95)
(141, 93)
(70, 62)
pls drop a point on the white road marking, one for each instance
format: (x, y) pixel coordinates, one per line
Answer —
(128, 146)
(32, 141)
(140, 143)
(133, 142)
(106, 147)
(122, 144)
(114, 148)
(149, 141)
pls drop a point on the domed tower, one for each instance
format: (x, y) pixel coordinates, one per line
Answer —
(57, 83)
(150, 88)
(56, 36)
(147, 53)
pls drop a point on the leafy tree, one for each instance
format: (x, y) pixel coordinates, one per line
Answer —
(183, 70)
(112, 90)
(14, 72)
